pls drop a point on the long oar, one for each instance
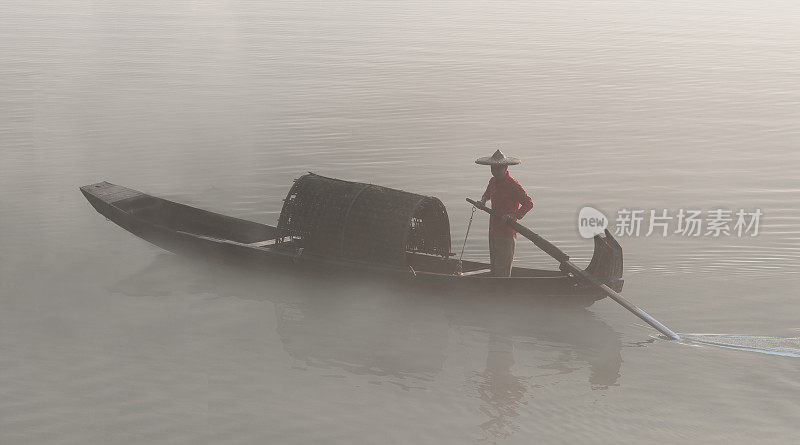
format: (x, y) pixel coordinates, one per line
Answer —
(568, 266)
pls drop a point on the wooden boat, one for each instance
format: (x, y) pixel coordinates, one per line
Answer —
(342, 228)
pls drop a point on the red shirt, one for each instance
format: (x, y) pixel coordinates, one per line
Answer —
(508, 198)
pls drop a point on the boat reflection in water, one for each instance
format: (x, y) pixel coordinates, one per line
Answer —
(408, 340)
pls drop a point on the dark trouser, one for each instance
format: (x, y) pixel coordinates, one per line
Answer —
(501, 253)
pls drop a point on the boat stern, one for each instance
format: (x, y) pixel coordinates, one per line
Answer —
(606, 263)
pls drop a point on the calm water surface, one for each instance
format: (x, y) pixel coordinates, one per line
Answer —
(624, 104)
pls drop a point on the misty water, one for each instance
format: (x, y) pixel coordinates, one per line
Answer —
(220, 105)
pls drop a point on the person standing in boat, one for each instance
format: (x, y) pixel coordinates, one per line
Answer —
(510, 199)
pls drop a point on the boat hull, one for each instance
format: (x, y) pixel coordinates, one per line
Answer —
(205, 235)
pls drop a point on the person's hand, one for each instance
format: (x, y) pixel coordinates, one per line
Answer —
(482, 201)
(509, 218)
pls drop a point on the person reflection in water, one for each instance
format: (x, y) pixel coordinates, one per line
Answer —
(573, 339)
(509, 199)
(501, 390)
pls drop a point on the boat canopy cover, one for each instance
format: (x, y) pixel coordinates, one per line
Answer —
(363, 222)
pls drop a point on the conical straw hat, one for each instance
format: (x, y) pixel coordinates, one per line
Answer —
(498, 158)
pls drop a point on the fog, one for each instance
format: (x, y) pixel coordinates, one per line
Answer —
(105, 338)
